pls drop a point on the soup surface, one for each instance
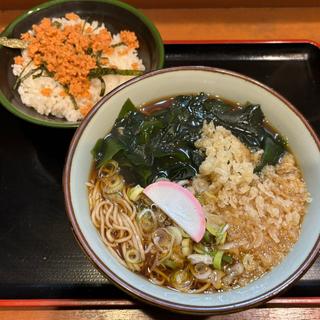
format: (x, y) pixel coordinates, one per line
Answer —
(240, 170)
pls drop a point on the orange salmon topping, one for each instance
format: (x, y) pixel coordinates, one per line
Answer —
(84, 110)
(64, 54)
(70, 52)
(102, 41)
(72, 16)
(123, 52)
(26, 36)
(62, 93)
(46, 92)
(104, 60)
(135, 66)
(18, 60)
(130, 39)
(37, 59)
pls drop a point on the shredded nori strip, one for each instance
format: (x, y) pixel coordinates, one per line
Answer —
(73, 100)
(27, 75)
(45, 69)
(118, 44)
(13, 43)
(97, 27)
(84, 25)
(99, 72)
(103, 87)
(89, 51)
(38, 75)
(98, 57)
(17, 83)
(57, 24)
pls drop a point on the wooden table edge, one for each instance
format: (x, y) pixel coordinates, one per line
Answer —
(244, 41)
(289, 302)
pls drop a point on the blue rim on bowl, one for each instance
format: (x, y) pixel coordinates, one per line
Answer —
(17, 107)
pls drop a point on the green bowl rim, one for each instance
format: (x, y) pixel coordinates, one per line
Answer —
(52, 123)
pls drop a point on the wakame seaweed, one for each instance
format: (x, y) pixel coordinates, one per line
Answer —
(161, 145)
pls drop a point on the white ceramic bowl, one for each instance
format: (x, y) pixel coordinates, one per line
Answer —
(185, 80)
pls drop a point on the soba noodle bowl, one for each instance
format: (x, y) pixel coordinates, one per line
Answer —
(252, 218)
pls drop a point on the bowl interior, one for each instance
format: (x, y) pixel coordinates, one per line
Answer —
(179, 81)
(115, 15)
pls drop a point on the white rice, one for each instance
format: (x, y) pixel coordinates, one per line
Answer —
(62, 107)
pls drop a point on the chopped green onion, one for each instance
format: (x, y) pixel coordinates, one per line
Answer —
(227, 259)
(175, 261)
(181, 280)
(170, 264)
(200, 258)
(214, 230)
(201, 249)
(135, 192)
(184, 234)
(217, 260)
(176, 233)
(186, 247)
(221, 239)
(219, 232)
(147, 220)
(208, 237)
(163, 240)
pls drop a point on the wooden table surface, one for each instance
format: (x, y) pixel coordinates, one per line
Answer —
(276, 309)
(227, 23)
(191, 24)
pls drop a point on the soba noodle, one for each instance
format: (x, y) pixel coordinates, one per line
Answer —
(114, 216)
(140, 247)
